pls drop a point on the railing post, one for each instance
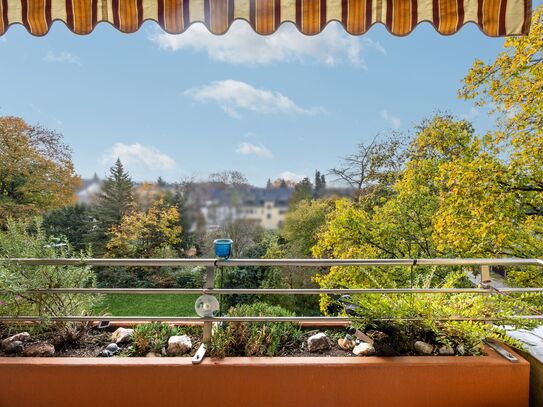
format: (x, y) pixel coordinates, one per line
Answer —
(209, 283)
(485, 275)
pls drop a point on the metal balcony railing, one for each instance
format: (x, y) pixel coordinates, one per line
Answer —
(211, 265)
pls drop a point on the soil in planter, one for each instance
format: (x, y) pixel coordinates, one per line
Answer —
(388, 341)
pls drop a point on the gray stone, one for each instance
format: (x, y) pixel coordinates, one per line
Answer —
(446, 350)
(20, 337)
(364, 349)
(318, 342)
(122, 335)
(179, 345)
(460, 349)
(112, 347)
(14, 347)
(423, 348)
(39, 349)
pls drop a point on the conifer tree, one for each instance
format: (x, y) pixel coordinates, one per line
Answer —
(115, 200)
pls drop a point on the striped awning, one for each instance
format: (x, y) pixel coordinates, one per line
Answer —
(494, 17)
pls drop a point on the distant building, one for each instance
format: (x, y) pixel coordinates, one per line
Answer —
(265, 206)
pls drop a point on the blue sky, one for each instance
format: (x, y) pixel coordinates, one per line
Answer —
(195, 104)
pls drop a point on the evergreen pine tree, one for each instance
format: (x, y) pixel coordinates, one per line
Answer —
(269, 184)
(115, 200)
(320, 185)
(161, 183)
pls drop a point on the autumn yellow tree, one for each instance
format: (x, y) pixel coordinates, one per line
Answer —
(36, 170)
(501, 192)
(146, 234)
(402, 226)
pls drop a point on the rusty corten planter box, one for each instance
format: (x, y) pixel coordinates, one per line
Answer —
(315, 381)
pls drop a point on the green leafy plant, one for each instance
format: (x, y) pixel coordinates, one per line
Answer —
(151, 337)
(254, 339)
(16, 280)
(448, 319)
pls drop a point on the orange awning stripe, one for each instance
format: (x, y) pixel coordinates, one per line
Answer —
(495, 18)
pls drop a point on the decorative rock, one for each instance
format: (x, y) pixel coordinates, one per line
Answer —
(318, 342)
(39, 349)
(20, 337)
(345, 343)
(446, 350)
(153, 355)
(112, 347)
(14, 347)
(179, 345)
(423, 348)
(364, 349)
(460, 349)
(122, 335)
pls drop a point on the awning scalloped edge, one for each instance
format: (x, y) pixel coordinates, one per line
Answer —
(495, 18)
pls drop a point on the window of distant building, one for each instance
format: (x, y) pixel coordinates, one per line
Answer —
(268, 215)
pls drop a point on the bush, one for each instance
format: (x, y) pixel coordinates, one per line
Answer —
(255, 339)
(425, 316)
(150, 277)
(151, 337)
(15, 279)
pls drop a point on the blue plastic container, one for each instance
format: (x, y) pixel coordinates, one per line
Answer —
(223, 248)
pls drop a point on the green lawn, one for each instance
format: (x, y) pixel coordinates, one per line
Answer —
(167, 305)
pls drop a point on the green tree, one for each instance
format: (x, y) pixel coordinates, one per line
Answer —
(70, 223)
(161, 183)
(320, 185)
(36, 170)
(302, 190)
(302, 225)
(115, 200)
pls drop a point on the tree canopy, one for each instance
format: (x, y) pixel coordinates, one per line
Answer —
(36, 170)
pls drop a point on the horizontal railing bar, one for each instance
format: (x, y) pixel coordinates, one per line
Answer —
(276, 291)
(276, 262)
(239, 319)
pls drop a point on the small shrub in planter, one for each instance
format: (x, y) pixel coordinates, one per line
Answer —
(399, 320)
(153, 337)
(21, 240)
(254, 339)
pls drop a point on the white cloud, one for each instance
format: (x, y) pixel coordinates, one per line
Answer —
(241, 45)
(138, 155)
(233, 96)
(253, 149)
(393, 121)
(291, 176)
(63, 57)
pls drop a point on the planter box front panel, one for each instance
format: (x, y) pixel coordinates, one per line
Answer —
(371, 381)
